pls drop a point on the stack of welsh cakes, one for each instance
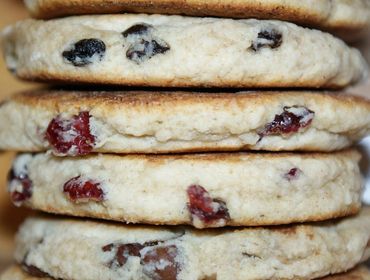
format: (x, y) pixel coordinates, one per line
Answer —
(186, 176)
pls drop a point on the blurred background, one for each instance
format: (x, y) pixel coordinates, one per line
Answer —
(10, 217)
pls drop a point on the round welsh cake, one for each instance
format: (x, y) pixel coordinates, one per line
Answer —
(81, 122)
(203, 190)
(332, 14)
(176, 51)
(85, 250)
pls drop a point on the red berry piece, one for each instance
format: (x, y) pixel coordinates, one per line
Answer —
(159, 263)
(81, 190)
(293, 174)
(71, 136)
(19, 183)
(205, 210)
(290, 121)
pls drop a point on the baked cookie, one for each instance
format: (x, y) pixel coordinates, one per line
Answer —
(176, 51)
(205, 190)
(78, 123)
(110, 251)
(334, 14)
(16, 273)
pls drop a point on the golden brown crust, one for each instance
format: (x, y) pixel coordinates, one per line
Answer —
(148, 99)
(105, 80)
(350, 211)
(361, 273)
(316, 15)
(233, 9)
(105, 105)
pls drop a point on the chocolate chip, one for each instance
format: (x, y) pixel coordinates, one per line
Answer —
(83, 52)
(267, 38)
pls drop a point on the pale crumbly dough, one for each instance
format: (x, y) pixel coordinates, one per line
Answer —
(15, 272)
(203, 52)
(159, 122)
(255, 188)
(334, 14)
(71, 249)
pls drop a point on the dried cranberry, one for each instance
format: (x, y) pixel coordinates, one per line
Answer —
(292, 174)
(203, 207)
(267, 38)
(291, 120)
(142, 45)
(80, 190)
(83, 52)
(71, 136)
(137, 29)
(19, 183)
(159, 263)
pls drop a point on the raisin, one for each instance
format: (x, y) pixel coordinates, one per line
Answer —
(159, 263)
(71, 136)
(123, 252)
(205, 209)
(142, 45)
(80, 190)
(20, 185)
(290, 121)
(267, 38)
(293, 174)
(137, 29)
(83, 52)
(145, 50)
